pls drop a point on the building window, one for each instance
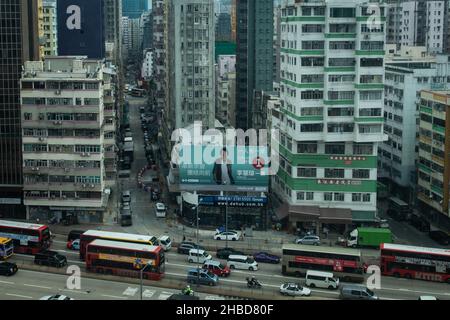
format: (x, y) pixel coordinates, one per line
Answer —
(366, 197)
(328, 196)
(356, 197)
(361, 173)
(335, 148)
(362, 148)
(307, 172)
(307, 147)
(334, 173)
(338, 196)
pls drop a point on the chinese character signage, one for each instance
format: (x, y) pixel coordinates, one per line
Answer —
(218, 168)
(233, 201)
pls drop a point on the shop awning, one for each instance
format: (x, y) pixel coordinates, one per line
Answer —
(335, 215)
(303, 213)
(324, 215)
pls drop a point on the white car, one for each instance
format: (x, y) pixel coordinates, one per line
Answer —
(56, 297)
(294, 289)
(227, 235)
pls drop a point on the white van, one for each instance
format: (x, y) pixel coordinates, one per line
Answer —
(128, 139)
(197, 255)
(165, 243)
(160, 210)
(242, 262)
(321, 279)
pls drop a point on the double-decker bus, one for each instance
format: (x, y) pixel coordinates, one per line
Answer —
(345, 263)
(28, 238)
(92, 235)
(6, 248)
(125, 259)
(412, 262)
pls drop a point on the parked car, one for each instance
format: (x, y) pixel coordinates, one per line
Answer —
(357, 292)
(202, 276)
(242, 262)
(225, 252)
(56, 297)
(185, 246)
(74, 244)
(440, 237)
(51, 259)
(155, 193)
(126, 196)
(217, 268)
(266, 257)
(227, 235)
(311, 240)
(8, 269)
(294, 289)
(198, 256)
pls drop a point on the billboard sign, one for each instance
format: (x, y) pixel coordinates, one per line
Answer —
(232, 201)
(219, 168)
(80, 28)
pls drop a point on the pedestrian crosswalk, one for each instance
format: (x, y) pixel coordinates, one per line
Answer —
(155, 294)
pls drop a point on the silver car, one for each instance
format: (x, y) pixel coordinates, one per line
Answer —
(311, 240)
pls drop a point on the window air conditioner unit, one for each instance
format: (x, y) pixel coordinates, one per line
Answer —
(55, 122)
(88, 154)
(83, 154)
(84, 185)
(41, 139)
(92, 185)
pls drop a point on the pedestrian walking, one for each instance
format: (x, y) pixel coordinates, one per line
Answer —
(184, 238)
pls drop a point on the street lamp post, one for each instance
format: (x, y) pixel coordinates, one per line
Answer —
(141, 271)
(226, 221)
(198, 245)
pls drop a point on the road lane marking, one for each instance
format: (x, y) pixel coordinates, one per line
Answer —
(36, 286)
(130, 291)
(148, 293)
(7, 282)
(75, 291)
(115, 297)
(18, 295)
(164, 295)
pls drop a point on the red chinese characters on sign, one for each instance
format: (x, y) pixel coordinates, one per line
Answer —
(339, 182)
(338, 265)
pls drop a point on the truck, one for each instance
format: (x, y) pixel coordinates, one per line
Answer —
(369, 237)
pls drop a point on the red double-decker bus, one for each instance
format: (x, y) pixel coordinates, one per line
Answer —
(28, 238)
(125, 259)
(411, 262)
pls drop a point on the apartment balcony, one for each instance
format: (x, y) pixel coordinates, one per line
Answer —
(111, 168)
(61, 124)
(62, 171)
(63, 108)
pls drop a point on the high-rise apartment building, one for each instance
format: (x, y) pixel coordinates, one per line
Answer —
(331, 119)
(191, 66)
(408, 71)
(68, 123)
(434, 157)
(254, 55)
(147, 30)
(223, 27)
(418, 23)
(134, 8)
(159, 52)
(19, 40)
(50, 28)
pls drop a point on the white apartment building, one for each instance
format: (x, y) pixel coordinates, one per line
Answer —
(68, 122)
(50, 28)
(226, 64)
(408, 71)
(147, 65)
(331, 114)
(191, 54)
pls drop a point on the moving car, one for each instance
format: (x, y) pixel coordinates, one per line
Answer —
(51, 259)
(224, 253)
(294, 289)
(74, 244)
(440, 237)
(266, 257)
(160, 210)
(165, 242)
(74, 234)
(202, 277)
(357, 292)
(185, 246)
(227, 235)
(8, 268)
(56, 297)
(311, 240)
(198, 256)
(217, 268)
(319, 279)
(242, 262)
